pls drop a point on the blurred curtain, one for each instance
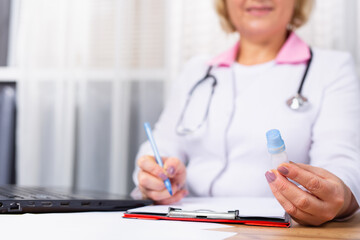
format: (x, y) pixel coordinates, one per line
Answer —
(90, 72)
(7, 103)
(7, 132)
(4, 29)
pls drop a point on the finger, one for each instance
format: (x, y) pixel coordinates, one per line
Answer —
(316, 170)
(293, 211)
(173, 166)
(159, 195)
(315, 184)
(300, 199)
(175, 198)
(175, 169)
(148, 164)
(298, 215)
(150, 182)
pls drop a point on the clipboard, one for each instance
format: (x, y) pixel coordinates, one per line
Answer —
(191, 212)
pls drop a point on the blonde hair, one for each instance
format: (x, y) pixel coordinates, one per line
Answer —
(300, 16)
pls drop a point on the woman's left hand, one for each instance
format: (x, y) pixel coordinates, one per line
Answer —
(327, 197)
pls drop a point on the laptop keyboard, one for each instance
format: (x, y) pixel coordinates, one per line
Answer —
(16, 192)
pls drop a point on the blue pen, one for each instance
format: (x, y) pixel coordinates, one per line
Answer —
(156, 153)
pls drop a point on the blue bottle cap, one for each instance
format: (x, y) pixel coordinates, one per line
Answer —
(275, 143)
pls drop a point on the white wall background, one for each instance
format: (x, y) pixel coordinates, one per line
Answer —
(89, 72)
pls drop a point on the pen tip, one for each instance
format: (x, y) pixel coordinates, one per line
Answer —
(168, 186)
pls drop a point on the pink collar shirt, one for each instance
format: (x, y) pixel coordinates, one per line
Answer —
(294, 51)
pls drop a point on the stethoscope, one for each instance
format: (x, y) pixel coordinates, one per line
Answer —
(295, 103)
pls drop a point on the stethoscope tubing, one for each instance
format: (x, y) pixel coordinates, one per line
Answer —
(305, 73)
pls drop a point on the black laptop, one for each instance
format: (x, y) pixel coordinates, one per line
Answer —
(17, 199)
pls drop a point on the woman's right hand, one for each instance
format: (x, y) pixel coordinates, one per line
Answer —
(151, 179)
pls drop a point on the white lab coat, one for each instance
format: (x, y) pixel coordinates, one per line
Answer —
(326, 134)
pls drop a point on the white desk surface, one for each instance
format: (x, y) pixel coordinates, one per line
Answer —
(111, 225)
(102, 225)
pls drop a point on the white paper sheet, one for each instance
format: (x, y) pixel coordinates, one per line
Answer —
(248, 207)
(102, 225)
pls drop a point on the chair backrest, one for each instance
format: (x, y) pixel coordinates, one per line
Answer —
(7, 132)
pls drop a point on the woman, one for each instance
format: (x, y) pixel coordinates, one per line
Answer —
(219, 148)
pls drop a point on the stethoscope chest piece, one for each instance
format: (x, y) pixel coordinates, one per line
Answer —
(297, 102)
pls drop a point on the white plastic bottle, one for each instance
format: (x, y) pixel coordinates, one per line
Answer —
(276, 148)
